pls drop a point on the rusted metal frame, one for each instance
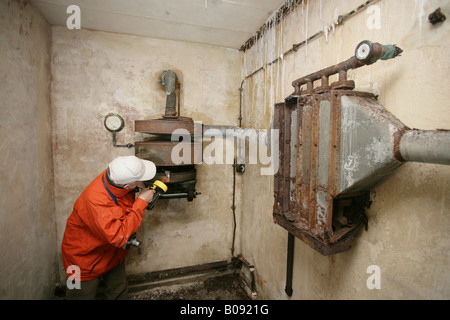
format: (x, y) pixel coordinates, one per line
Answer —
(330, 187)
(284, 180)
(333, 178)
(323, 239)
(314, 187)
(312, 241)
(306, 162)
(277, 177)
(293, 154)
(281, 186)
(287, 165)
(300, 193)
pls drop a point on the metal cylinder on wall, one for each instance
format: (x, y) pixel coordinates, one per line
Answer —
(426, 146)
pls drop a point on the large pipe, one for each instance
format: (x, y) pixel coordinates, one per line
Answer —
(426, 146)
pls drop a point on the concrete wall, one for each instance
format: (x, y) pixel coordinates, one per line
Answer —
(408, 221)
(54, 144)
(27, 224)
(96, 73)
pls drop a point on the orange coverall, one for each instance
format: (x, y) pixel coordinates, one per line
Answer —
(98, 228)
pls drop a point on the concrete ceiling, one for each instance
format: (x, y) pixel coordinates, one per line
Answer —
(226, 23)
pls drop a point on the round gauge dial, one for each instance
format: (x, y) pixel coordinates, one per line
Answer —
(114, 122)
(364, 50)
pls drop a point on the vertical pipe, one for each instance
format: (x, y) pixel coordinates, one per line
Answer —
(251, 268)
(233, 207)
(290, 264)
(171, 102)
(170, 82)
(241, 89)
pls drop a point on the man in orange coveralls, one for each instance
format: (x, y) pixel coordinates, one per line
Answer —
(104, 217)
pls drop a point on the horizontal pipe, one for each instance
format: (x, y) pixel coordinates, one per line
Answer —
(177, 195)
(426, 146)
(351, 63)
(375, 52)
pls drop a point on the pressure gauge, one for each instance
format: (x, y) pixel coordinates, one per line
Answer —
(364, 50)
(114, 122)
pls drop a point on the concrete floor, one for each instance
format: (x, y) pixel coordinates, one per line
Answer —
(219, 287)
(217, 281)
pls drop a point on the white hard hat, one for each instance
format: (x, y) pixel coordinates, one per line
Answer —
(129, 169)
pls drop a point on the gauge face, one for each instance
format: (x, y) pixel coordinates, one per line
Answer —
(114, 122)
(364, 50)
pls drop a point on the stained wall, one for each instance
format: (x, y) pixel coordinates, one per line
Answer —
(97, 73)
(57, 86)
(28, 265)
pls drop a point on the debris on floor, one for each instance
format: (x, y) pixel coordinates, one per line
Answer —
(224, 287)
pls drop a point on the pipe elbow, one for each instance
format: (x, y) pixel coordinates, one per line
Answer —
(169, 81)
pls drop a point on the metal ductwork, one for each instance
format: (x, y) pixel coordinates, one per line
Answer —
(158, 146)
(336, 144)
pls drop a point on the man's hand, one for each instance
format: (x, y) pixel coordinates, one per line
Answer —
(147, 195)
